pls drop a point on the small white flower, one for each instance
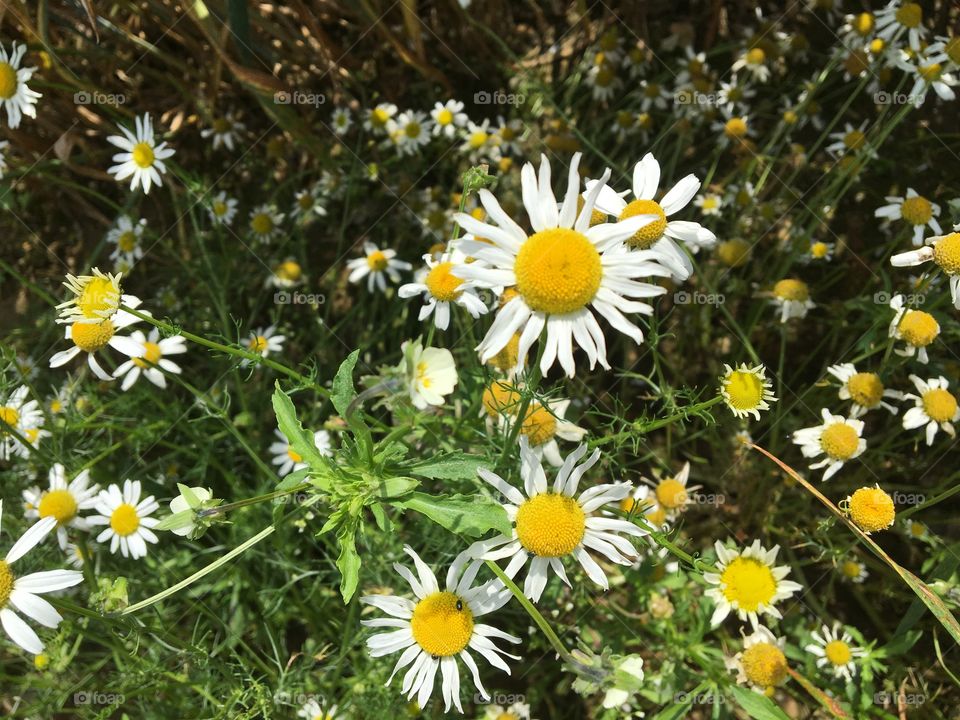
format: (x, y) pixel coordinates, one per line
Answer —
(792, 297)
(62, 501)
(264, 341)
(222, 208)
(92, 337)
(15, 97)
(224, 132)
(440, 289)
(935, 407)
(127, 237)
(127, 518)
(311, 710)
(835, 650)
(289, 460)
(430, 373)
(152, 360)
(864, 388)
(341, 120)
(376, 265)
(190, 498)
(378, 118)
(913, 209)
(749, 583)
(899, 17)
(838, 439)
(917, 328)
(448, 117)
(24, 415)
(265, 222)
(141, 158)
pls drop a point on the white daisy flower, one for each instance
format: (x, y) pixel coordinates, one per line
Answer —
(709, 203)
(142, 158)
(854, 571)
(944, 250)
(734, 97)
(935, 407)
(856, 29)
(734, 129)
(76, 556)
(661, 234)
(448, 117)
(746, 390)
(754, 62)
(15, 97)
(820, 251)
(378, 118)
(264, 341)
(550, 524)
(127, 518)
(603, 81)
(289, 460)
(653, 95)
(23, 593)
(792, 297)
(864, 388)
(835, 651)
(850, 140)
(62, 501)
(440, 289)
(152, 360)
(430, 373)
(222, 208)
(376, 266)
(930, 74)
(671, 491)
(562, 273)
(127, 237)
(307, 204)
(749, 583)
(762, 663)
(265, 222)
(409, 132)
(24, 415)
(341, 120)
(311, 710)
(917, 328)
(287, 274)
(508, 134)
(517, 711)
(838, 439)
(898, 18)
(91, 337)
(913, 209)
(543, 424)
(225, 132)
(479, 143)
(439, 627)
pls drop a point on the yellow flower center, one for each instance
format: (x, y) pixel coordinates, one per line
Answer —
(910, 15)
(221, 126)
(756, 56)
(838, 652)
(749, 583)
(442, 283)
(379, 117)
(124, 520)
(939, 404)
(646, 236)
(91, 337)
(558, 271)
(6, 583)
(863, 24)
(377, 261)
(261, 223)
(288, 270)
(127, 241)
(877, 46)
(819, 250)
(946, 253)
(735, 128)
(671, 494)
(711, 202)
(596, 217)
(257, 344)
(734, 253)
(500, 398)
(745, 390)
(550, 525)
(850, 569)
(10, 416)
(99, 295)
(865, 389)
(792, 290)
(652, 90)
(764, 665)
(839, 441)
(58, 504)
(918, 328)
(854, 139)
(305, 201)
(507, 133)
(507, 358)
(151, 354)
(605, 75)
(930, 73)
(539, 425)
(294, 455)
(790, 117)
(442, 624)
(8, 81)
(478, 139)
(142, 155)
(219, 208)
(444, 117)
(916, 210)
(871, 509)
(952, 48)
(412, 129)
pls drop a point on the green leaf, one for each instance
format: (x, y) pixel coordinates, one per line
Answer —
(295, 478)
(454, 466)
(300, 440)
(348, 562)
(395, 487)
(757, 706)
(343, 391)
(470, 516)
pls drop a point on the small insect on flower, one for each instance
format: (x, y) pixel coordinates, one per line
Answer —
(152, 360)
(15, 97)
(23, 593)
(762, 663)
(62, 501)
(440, 289)
(916, 328)
(838, 439)
(835, 651)
(915, 210)
(871, 509)
(935, 407)
(746, 390)
(127, 519)
(141, 158)
(944, 250)
(748, 583)
(222, 208)
(376, 266)
(865, 389)
(438, 627)
(792, 296)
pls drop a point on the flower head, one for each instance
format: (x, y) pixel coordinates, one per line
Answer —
(871, 509)
(935, 407)
(15, 96)
(141, 158)
(746, 390)
(749, 583)
(127, 519)
(835, 651)
(838, 439)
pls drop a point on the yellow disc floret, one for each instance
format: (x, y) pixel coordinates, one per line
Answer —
(839, 441)
(756, 56)
(58, 504)
(838, 652)
(8, 81)
(939, 405)
(377, 261)
(151, 355)
(871, 509)
(539, 426)
(262, 224)
(6, 583)
(734, 253)
(764, 664)
(735, 128)
(865, 389)
(749, 583)
(99, 295)
(508, 356)
(124, 520)
(442, 283)
(9, 415)
(91, 337)
(500, 398)
(792, 290)
(910, 15)
(671, 494)
(744, 390)
(558, 271)
(142, 155)
(550, 525)
(946, 253)
(442, 624)
(648, 234)
(258, 344)
(916, 210)
(918, 328)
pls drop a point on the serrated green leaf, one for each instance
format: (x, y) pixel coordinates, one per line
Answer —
(454, 466)
(343, 391)
(757, 706)
(348, 561)
(300, 440)
(470, 516)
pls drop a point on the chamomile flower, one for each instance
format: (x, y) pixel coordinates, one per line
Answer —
(63, 501)
(762, 663)
(127, 236)
(754, 62)
(865, 389)
(286, 275)
(792, 297)
(734, 97)
(734, 129)
(127, 519)
(410, 132)
(870, 508)
(508, 134)
(23, 414)
(898, 18)
(672, 493)
(440, 289)
(850, 140)
(224, 131)
(265, 222)
(152, 360)
(430, 373)
(222, 208)
(917, 328)
(603, 81)
(264, 342)
(709, 203)
(289, 460)
(856, 29)
(141, 158)
(835, 651)
(15, 97)
(341, 120)
(517, 711)
(916, 530)
(748, 583)
(820, 251)
(379, 117)
(653, 95)
(448, 117)
(935, 407)
(838, 439)
(543, 423)
(92, 337)
(480, 143)
(643, 501)
(854, 571)
(944, 250)
(438, 627)
(23, 593)
(913, 209)
(96, 297)
(929, 74)
(311, 710)
(76, 556)
(746, 390)
(376, 266)
(550, 524)
(307, 206)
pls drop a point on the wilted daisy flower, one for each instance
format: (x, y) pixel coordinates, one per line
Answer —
(913, 209)
(376, 266)
(23, 414)
(561, 273)
(127, 236)
(835, 651)
(746, 390)
(289, 460)
(15, 97)
(761, 664)
(865, 389)
(264, 341)
(379, 117)
(142, 158)
(224, 131)
(661, 234)
(92, 336)
(936, 407)
(96, 297)
(898, 18)
(871, 509)
(265, 222)
(311, 710)
(22, 593)
(754, 62)
(222, 208)
(854, 571)
(440, 289)
(152, 360)
(916, 328)
(792, 296)
(287, 274)
(709, 203)
(748, 583)
(307, 204)
(447, 117)
(127, 518)
(341, 120)
(430, 373)
(944, 250)
(550, 524)
(838, 439)
(438, 627)
(62, 501)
